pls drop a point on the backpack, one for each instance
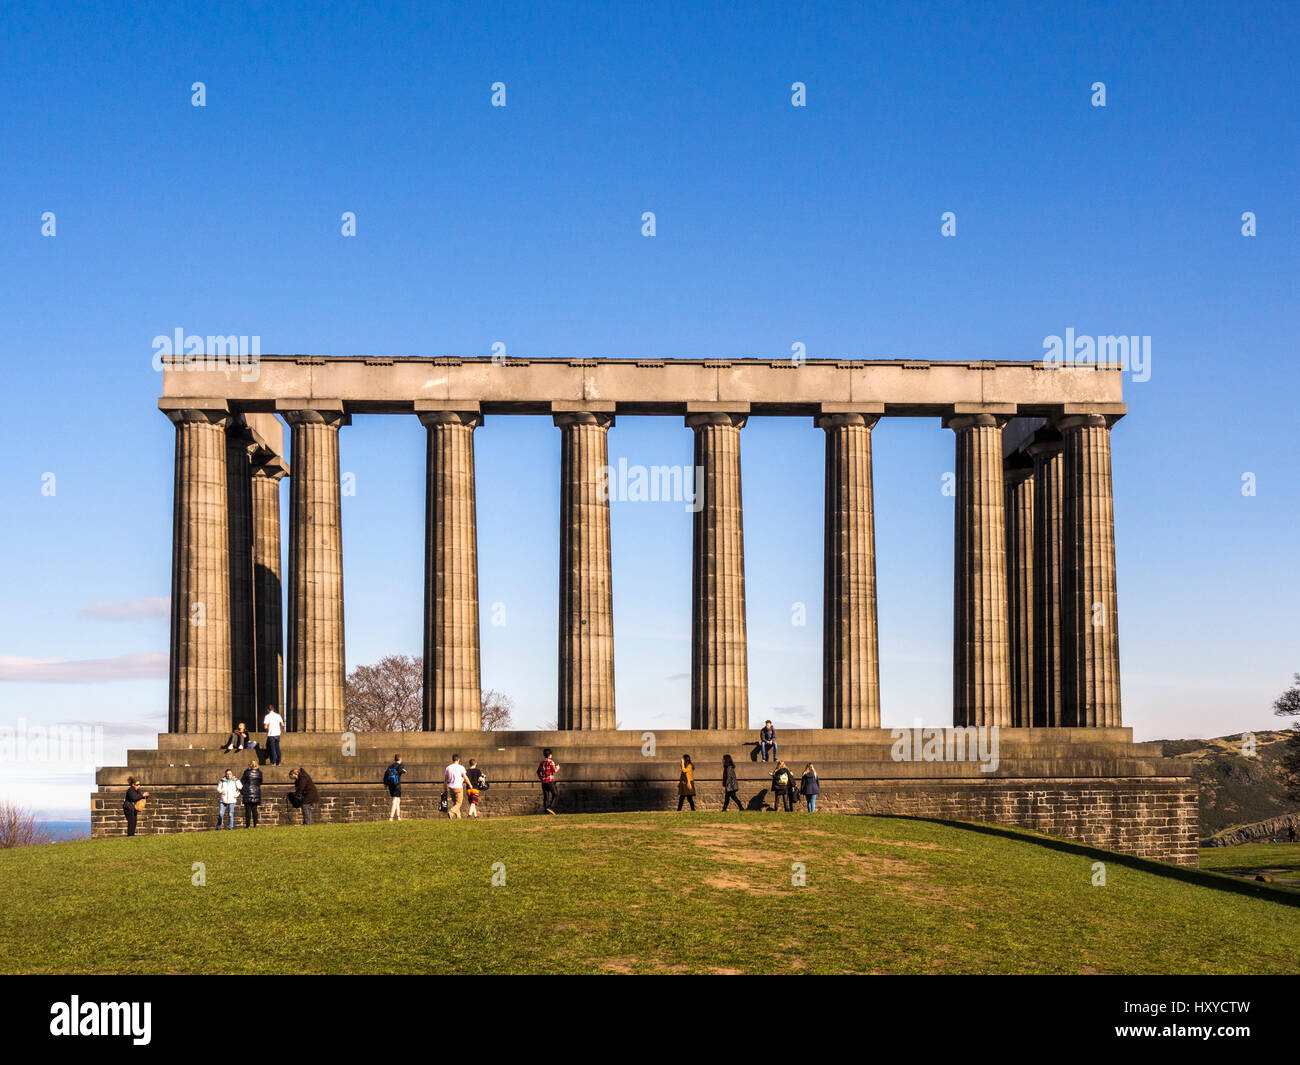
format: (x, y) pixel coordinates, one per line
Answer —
(783, 779)
(391, 777)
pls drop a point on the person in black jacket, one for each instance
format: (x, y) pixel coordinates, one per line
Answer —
(782, 786)
(393, 782)
(240, 740)
(252, 794)
(133, 796)
(730, 785)
(305, 789)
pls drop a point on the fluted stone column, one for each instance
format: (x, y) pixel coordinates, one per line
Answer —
(316, 660)
(199, 666)
(850, 650)
(981, 666)
(1048, 545)
(1090, 610)
(239, 496)
(719, 665)
(452, 686)
(1019, 507)
(268, 621)
(586, 671)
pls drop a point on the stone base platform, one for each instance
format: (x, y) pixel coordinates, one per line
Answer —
(1093, 786)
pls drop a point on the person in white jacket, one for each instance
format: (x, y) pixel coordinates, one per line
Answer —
(228, 789)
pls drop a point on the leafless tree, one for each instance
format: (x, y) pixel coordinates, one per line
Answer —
(497, 710)
(389, 697)
(19, 828)
(386, 697)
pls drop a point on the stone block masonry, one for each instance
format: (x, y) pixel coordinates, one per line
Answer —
(1092, 786)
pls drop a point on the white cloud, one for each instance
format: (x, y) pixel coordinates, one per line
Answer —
(141, 665)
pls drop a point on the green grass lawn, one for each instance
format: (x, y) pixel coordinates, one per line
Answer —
(1279, 861)
(628, 893)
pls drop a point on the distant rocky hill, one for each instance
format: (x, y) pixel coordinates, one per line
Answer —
(1242, 799)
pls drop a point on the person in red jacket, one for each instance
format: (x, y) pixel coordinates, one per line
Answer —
(546, 771)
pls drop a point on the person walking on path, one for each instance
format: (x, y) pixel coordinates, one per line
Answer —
(730, 785)
(393, 782)
(132, 803)
(228, 789)
(809, 787)
(477, 782)
(546, 771)
(252, 782)
(274, 725)
(766, 739)
(304, 788)
(782, 782)
(686, 784)
(455, 779)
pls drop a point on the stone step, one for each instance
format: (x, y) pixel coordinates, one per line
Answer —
(630, 738)
(701, 754)
(363, 772)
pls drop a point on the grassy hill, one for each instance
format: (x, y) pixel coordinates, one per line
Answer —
(1236, 790)
(628, 893)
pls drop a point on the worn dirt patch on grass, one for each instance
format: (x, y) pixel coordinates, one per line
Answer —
(739, 880)
(907, 878)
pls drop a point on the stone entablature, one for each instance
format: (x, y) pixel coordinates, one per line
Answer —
(895, 388)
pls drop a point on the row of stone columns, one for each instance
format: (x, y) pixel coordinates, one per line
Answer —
(226, 630)
(1063, 667)
(1035, 637)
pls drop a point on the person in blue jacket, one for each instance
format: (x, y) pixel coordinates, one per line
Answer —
(810, 787)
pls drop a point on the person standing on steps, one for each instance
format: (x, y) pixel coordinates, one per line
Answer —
(132, 803)
(730, 785)
(546, 771)
(252, 781)
(393, 782)
(228, 789)
(274, 725)
(810, 787)
(304, 788)
(782, 782)
(686, 784)
(766, 739)
(455, 779)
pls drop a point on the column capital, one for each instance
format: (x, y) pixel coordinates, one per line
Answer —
(728, 419)
(845, 419)
(600, 419)
(1016, 472)
(429, 418)
(238, 435)
(1063, 423)
(188, 410)
(271, 468)
(327, 412)
(958, 422)
(1045, 443)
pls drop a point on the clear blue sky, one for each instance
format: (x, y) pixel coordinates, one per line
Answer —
(775, 225)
